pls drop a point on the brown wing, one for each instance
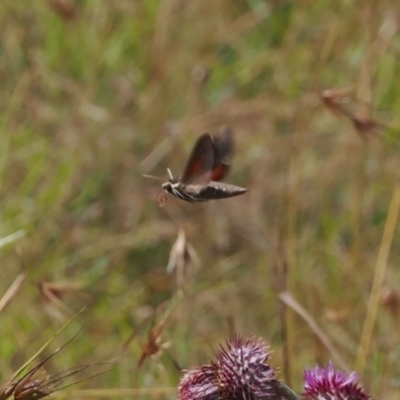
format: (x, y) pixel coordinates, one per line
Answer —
(198, 170)
(223, 143)
(219, 172)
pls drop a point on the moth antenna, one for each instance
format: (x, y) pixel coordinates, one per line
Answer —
(170, 174)
(153, 177)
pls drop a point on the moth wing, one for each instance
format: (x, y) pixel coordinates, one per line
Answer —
(224, 145)
(220, 171)
(199, 168)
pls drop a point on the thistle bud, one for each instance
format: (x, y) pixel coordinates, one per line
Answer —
(330, 384)
(239, 372)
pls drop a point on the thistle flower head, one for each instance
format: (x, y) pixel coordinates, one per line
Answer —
(330, 384)
(239, 372)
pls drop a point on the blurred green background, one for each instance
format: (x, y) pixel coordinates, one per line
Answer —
(94, 94)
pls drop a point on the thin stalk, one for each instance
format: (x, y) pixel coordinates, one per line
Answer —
(380, 272)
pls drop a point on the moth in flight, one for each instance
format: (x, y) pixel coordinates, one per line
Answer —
(206, 166)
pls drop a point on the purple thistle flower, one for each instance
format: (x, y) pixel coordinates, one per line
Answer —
(327, 384)
(199, 384)
(239, 372)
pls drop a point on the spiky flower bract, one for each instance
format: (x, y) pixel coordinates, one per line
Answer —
(326, 383)
(239, 372)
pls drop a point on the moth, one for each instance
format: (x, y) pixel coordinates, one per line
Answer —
(207, 165)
